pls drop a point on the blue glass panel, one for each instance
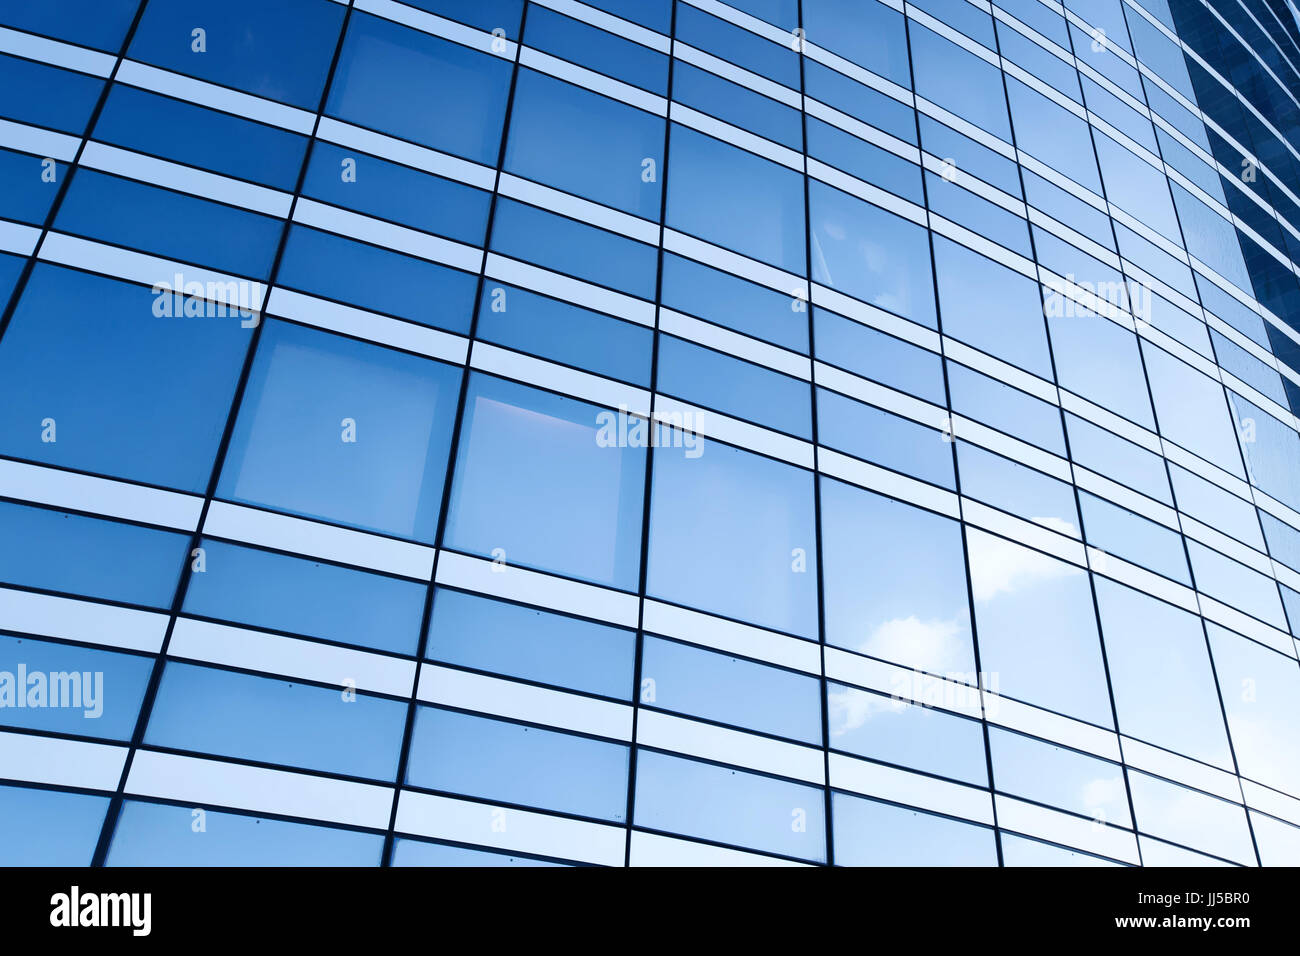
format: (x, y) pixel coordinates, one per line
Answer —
(969, 156)
(1160, 674)
(153, 834)
(547, 482)
(1264, 709)
(871, 353)
(70, 690)
(737, 105)
(959, 81)
(1037, 630)
(243, 44)
(370, 447)
(991, 402)
(1133, 538)
(90, 556)
(11, 268)
(1236, 585)
(963, 16)
(729, 806)
(585, 143)
(1018, 851)
(864, 160)
(1117, 113)
(737, 388)
(1283, 543)
(859, 100)
(514, 763)
(173, 225)
(1136, 187)
(1043, 19)
(276, 721)
(531, 644)
(101, 24)
(574, 248)
(46, 96)
(1068, 209)
(565, 333)
(1212, 505)
(747, 50)
(887, 439)
(655, 14)
(723, 560)
(869, 34)
(720, 297)
(31, 185)
(1039, 63)
(1017, 488)
(988, 219)
(285, 593)
(895, 581)
(1106, 14)
(1191, 409)
(730, 690)
(47, 827)
(595, 49)
(783, 13)
(379, 56)
(1272, 449)
(991, 307)
(487, 15)
(397, 193)
(377, 279)
(119, 384)
(1039, 771)
(711, 195)
(868, 833)
(1107, 454)
(910, 735)
(185, 133)
(871, 254)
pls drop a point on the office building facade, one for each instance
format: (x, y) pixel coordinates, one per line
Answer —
(649, 432)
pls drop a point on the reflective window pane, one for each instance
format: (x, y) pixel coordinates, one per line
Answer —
(368, 450)
(708, 552)
(575, 511)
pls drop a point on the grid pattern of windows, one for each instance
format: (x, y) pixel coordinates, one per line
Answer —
(634, 432)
